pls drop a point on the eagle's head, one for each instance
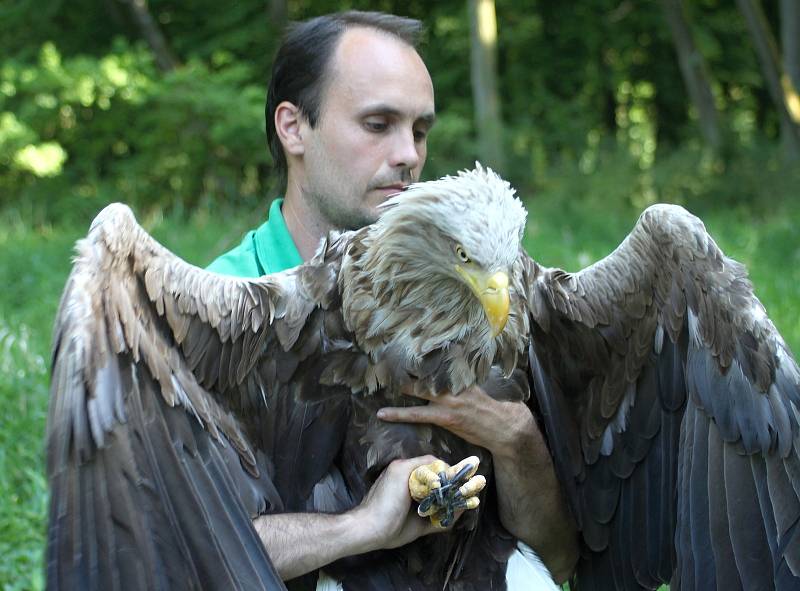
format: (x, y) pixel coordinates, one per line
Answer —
(466, 227)
(434, 274)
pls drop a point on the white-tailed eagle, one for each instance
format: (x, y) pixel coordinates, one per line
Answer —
(184, 403)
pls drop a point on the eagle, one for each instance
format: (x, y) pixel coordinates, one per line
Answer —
(184, 403)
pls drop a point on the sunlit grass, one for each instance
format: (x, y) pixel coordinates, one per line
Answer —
(22, 484)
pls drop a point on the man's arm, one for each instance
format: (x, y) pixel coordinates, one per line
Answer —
(529, 498)
(298, 543)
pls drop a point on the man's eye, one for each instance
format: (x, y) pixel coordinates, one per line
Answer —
(375, 126)
(420, 134)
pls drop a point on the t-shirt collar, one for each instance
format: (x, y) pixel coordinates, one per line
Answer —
(275, 249)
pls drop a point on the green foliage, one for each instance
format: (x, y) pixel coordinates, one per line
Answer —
(755, 179)
(93, 129)
(33, 269)
(86, 117)
(23, 395)
(451, 146)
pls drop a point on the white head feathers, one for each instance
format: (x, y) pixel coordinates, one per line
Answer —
(475, 208)
(405, 283)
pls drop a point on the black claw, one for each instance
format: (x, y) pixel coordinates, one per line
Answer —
(461, 474)
(426, 503)
(459, 504)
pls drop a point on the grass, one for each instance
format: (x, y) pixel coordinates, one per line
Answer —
(34, 263)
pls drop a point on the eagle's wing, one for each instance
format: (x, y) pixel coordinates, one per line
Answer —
(671, 405)
(171, 420)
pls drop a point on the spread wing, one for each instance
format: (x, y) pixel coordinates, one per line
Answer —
(173, 417)
(671, 405)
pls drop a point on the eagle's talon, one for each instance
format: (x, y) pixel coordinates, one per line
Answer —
(466, 471)
(441, 490)
(426, 507)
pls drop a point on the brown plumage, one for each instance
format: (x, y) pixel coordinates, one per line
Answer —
(184, 403)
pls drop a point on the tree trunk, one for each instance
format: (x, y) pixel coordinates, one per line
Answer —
(148, 27)
(483, 34)
(695, 73)
(790, 40)
(278, 14)
(768, 56)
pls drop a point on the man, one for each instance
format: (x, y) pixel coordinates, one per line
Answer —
(349, 109)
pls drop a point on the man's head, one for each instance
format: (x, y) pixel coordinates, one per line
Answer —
(349, 108)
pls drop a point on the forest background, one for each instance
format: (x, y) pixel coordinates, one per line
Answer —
(593, 109)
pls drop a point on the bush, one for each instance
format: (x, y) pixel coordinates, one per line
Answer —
(79, 132)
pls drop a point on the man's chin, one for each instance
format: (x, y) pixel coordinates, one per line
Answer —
(373, 201)
(371, 215)
(358, 218)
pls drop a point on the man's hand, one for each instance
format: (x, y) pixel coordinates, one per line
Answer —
(473, 415)
(386, 512)
(529, 497)
(301, 542)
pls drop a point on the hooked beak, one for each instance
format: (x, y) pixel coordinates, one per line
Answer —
(492, 291)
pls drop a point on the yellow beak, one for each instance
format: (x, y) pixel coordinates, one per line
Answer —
(492, 291)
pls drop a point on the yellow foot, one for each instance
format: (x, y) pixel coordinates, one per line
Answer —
(444, 491)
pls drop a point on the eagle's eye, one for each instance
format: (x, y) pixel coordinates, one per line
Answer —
(462, 254)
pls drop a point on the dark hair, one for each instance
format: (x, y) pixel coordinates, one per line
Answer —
(300, 69)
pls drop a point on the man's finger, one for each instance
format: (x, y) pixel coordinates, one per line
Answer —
(413, 463)
(409, 414)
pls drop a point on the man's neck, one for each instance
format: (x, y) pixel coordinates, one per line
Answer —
(303, 222)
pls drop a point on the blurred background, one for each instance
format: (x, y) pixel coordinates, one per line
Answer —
(593, 109)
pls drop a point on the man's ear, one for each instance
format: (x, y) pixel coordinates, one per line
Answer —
(289, 127)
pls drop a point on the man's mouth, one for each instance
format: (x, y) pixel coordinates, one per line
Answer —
(394, 188)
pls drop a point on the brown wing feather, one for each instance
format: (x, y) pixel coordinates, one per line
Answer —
(655, 363)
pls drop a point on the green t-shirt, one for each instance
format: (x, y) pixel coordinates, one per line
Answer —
(267, 249)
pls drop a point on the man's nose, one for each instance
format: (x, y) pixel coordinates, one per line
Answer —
(405, 153)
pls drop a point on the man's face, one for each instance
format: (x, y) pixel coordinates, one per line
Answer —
(371, 136)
